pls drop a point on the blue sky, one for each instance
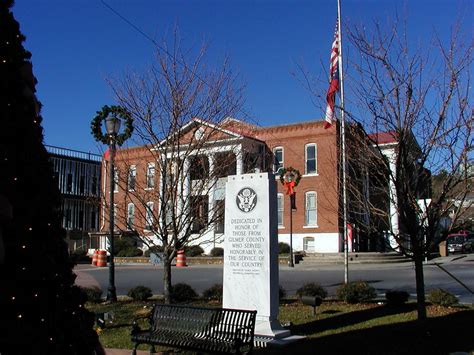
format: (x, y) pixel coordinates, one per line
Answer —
(77, 44)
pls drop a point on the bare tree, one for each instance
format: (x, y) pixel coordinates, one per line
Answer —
(421, 100)
(181, 111)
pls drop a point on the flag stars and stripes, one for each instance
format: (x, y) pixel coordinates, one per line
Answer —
(333, 80)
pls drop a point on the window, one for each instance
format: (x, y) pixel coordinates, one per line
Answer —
(280, 209)
(82, 184)
(115, 212)
(220, 212)
(311, 156)
(69, 183)
(150, 176)
(132, 175)
(93, 222)
(130, 216)
(225, 164)
(199, 168)
(311, 215)
(169, 211)
(80, 223)
(149, 215)
(116, 179)
(277, 159)
(68, 218)
(94, 185)
(199, 212)
(308, 244)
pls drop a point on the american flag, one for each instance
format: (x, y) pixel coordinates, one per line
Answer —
(334, 80)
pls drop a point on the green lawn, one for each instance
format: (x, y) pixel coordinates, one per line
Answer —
(338, 328)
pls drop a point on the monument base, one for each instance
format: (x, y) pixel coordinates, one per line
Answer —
(266, 327)
(267, 342)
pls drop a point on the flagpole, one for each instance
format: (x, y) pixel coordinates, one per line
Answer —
(343, 148)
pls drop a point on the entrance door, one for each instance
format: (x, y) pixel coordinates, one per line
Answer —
(308, 244)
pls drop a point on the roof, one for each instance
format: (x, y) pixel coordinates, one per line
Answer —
(384, 137)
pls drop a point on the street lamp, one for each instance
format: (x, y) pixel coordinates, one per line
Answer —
(112, 126)
(112, 115)
(290, 178)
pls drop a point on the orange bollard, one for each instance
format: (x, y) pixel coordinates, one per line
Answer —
(181, 259)
(94, 258)
(101, 258)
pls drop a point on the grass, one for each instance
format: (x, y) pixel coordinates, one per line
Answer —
(338, 328)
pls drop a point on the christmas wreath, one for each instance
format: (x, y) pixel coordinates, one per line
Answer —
(284, 179)
(121, 113)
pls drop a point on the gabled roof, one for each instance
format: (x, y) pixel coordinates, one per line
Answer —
(384, 137)
(231, 127)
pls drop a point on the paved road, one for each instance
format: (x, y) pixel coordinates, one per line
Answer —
(381, 276)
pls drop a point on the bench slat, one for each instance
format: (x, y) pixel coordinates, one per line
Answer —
(199, 328)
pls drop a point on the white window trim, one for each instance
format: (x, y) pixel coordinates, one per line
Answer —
(116, 180)
(306, 159)
(305, 210)
(134, 169)
(154, 175)
(149, 210)
(282, 225)
(128, 215)
(282, 158)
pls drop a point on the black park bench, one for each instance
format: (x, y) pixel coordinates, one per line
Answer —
(218, 330)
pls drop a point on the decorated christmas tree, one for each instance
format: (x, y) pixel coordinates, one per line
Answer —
(41, 311)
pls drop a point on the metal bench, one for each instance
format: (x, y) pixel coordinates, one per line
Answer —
(218, 330)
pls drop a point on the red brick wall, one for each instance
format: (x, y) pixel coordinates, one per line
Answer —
(293, 139)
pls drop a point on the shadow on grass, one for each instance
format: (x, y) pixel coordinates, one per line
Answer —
(347, 319)
(440, 335)
(341, 283)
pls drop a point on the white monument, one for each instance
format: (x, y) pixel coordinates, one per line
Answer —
(251, 250)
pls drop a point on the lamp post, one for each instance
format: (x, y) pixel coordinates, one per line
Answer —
(112, 125)
(290, 178)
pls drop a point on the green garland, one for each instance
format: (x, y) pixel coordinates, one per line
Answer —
(285, 171)
(120, 112)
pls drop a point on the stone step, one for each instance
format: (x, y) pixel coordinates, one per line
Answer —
(358, 258)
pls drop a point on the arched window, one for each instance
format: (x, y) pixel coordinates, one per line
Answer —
(278, 159)
(280, 209)
(311, 211)
(130, 216)
(311, 159)
(149, 215)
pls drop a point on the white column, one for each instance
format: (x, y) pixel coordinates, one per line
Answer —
(239, 160)
(394, 223)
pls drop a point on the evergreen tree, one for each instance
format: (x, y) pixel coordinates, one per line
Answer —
(41, 311)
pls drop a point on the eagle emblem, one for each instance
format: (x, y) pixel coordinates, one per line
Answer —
(246, 199)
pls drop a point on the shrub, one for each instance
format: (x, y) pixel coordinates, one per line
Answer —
(281, 292)
(312, 289)
(79, 255)
(213, 293)
(182, 292)
(283, 248)
(140, 293)
(396, 297)
(93, 294)
(193, 250)
(154, 249)
(123, 243)
(442, 297)
(217, 252)
(129, 252)
(356, 292)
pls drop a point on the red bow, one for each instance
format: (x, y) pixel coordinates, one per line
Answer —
(289, 187)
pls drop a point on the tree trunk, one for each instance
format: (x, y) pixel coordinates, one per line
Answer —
(420, 286)
(167, 278)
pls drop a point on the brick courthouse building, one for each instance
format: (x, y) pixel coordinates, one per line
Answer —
(305, 146)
